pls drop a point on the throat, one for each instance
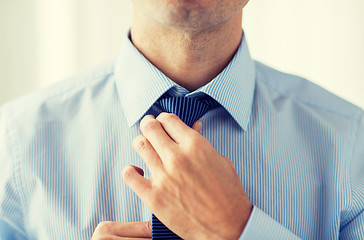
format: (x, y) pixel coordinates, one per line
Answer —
(190, 59)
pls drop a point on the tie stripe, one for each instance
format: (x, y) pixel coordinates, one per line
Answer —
(159, 231)
(189, 110)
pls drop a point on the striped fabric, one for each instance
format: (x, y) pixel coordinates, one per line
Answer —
(297, 149)
(161, 232)
(189, 110)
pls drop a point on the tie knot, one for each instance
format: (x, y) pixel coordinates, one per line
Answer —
(188, 109)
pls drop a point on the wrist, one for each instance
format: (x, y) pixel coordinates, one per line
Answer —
(238, 226)
(231, 229)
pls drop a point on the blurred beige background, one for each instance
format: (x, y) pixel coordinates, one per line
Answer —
(44, 41)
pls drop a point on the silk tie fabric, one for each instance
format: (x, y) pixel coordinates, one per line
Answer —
(189, 110)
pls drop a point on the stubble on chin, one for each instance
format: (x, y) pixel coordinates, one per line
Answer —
(192, 16)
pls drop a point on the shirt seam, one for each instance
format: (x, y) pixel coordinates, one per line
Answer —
(17, 228)
(355, 134)
(308, 103)
(87, 80)
(15, 153)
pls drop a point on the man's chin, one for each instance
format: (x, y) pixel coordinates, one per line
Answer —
(181, 20)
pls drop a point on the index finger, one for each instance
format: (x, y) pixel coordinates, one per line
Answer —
(157, 136)
(175, 127)
(125, 229)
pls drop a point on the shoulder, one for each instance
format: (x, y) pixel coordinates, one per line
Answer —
(306, 93)
(65, 92)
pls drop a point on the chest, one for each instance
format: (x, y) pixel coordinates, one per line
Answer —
(78, 184)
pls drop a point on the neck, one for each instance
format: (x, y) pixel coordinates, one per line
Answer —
(189, 58)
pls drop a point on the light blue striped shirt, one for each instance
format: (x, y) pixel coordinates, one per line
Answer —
(298, 150)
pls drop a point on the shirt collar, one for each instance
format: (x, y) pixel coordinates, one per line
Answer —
(140, 84)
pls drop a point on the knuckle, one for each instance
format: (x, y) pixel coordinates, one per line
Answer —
(167, 117)
(149, 124)
(148, 227)
(140, 143)
(104, 226)
(194, 143)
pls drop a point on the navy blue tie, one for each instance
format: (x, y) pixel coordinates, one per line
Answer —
(189, 110)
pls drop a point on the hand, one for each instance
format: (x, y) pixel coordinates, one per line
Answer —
(193, 190)
(117, 230)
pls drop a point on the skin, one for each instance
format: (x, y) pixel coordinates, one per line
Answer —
(190, 41)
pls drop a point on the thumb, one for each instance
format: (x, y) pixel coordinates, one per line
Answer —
(133, 177)
(197, 126)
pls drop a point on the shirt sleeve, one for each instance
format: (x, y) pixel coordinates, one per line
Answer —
(352, 226)
(261, 226)
(11, 216)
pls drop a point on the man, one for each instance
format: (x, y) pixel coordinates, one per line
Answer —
(274, 157)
